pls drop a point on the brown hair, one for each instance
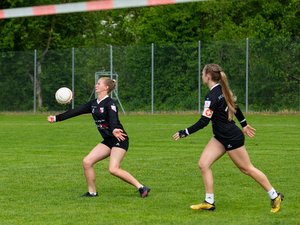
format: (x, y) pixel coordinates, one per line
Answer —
(111, 83)
(218, 75)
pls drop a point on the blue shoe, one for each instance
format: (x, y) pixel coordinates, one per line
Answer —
(144, 191)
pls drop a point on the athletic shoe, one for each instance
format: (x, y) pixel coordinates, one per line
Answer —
(203, 206)
(144, 191)
(88, 194)
(276, 202)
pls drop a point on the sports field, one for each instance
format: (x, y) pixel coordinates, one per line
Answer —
(41, 176)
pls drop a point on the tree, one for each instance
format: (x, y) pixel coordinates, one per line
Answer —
(44, 33)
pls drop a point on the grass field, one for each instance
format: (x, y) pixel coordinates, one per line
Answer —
(41, 176)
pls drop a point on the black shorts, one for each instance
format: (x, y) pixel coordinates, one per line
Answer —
(232, 143)
(113, 142)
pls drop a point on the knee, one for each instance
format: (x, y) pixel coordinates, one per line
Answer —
(246, 170)
(86, 163)
(203, 165)
(113, 171)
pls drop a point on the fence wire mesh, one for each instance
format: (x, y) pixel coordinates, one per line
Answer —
(264, 74)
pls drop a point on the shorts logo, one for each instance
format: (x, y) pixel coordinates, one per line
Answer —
(117, 144)
(207, 112)
(229, 146)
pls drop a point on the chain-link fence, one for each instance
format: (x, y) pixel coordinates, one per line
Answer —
(264, 74)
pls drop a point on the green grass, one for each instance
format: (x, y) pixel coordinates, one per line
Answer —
(41, 176)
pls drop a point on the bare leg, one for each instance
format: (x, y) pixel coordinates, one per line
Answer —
(116, 157)
(211, 153)
(241, 159)
(98, 153)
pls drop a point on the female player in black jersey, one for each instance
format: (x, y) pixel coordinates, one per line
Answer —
(219, 107)
(115, 143)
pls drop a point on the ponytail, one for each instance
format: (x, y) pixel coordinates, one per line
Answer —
(217, 75)
(111, 83)
(228, 95)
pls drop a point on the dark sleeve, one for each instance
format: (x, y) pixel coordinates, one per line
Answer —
(201, 123)
(83, 109)
(240, 116)
(113, 116)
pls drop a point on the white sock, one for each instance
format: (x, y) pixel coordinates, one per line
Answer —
(209, 198)
(272, 194)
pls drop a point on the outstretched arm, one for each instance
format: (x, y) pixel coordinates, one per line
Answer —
(201, 123)
(86, 108)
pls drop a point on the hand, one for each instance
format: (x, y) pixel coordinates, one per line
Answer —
(51, 119)
(249, 131)
(119, 134)
(179, 134)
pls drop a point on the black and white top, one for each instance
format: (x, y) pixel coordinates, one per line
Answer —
(104, 112)
(216, 110)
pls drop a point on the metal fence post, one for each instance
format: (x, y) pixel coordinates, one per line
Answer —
(152, 78)
(199, 77)
(73, 76)
(247, 73)
(34, 81)
(111, 61)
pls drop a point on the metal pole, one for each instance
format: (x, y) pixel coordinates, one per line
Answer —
(152, 78)
(34, 81)
(73, 75)
(199, 77)
(111, 77)
(111, 62)
(247, 72)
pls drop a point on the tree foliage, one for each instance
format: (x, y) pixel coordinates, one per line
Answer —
(221, 25)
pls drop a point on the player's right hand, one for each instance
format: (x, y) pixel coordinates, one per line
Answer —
(179, 134)
(51, 119)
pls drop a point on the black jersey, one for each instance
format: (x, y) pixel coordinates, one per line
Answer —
(216, 110)
(105, 114)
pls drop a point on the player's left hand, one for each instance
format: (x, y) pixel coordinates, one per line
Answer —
(119, 134)
(249, 131)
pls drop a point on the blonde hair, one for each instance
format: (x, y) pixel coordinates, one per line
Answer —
(111, 83)
(218, 75)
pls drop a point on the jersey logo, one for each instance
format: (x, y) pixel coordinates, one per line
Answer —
(207, 112)
(101, 109)
(114, 108)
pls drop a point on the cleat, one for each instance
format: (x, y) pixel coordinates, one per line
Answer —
(275, 203)
(144, 191)
(203, 206)
(88, 194)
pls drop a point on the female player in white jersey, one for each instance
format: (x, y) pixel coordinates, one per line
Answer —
(115, 140)
(220, 107)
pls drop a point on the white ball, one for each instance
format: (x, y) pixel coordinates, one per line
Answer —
(63, 95)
